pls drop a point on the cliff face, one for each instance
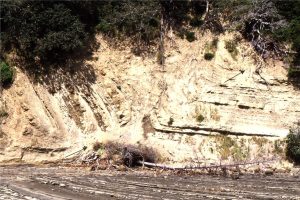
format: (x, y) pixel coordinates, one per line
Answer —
(122, 97)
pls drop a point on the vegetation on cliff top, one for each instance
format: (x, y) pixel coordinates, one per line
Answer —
(52, 31)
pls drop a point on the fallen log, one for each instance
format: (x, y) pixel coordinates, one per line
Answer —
(149, 164)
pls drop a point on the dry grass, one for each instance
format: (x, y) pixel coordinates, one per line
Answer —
(224, 145)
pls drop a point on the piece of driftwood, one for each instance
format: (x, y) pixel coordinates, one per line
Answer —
(221, 166)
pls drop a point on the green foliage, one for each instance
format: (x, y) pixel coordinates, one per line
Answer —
(293, 145)
(224, 144)
(43, 30)
(200, 118)
(291, 33)
(170, 122)
(139, 20)
(196, 22)
(239, 153)
(209, 56)
(6, 74)
(231, 47)
(210, 49)
(184, 11)
(190, 36)
(260, 141)
(293, 73)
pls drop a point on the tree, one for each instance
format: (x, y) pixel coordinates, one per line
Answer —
(47, 31)
(137, 20)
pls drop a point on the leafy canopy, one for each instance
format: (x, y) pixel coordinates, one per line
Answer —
(47, 31)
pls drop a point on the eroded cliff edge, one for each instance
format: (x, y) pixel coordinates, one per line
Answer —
(131, 99)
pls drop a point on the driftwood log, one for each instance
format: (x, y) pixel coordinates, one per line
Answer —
(220, 166)
(134, 157)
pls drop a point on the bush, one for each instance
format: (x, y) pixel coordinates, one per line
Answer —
(170, 122)
(209, 56)
(293, 73)
(211, 48)
(137, 20)
(6, 74)
(200, 118)
(104, 27)
(190, 36)
(293, 145)
(231, 47)
(51, 31)
(196, 22)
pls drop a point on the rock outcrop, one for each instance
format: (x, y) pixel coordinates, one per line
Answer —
(175, 108)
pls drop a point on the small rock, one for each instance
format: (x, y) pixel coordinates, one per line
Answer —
(62, 185)
(53, 183)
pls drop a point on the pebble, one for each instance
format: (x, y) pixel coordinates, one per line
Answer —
(62, 185)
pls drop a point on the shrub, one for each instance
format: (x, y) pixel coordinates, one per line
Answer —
(210, 49)
(6, 74)
(224, 145)
(196, 22)
(104, 27)
(231, 47)
(209, 56)
(137, 20)
(293, 72)
(293, 145)
(200, 118)
(190, 36)
(170, 122)
(50, 32)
